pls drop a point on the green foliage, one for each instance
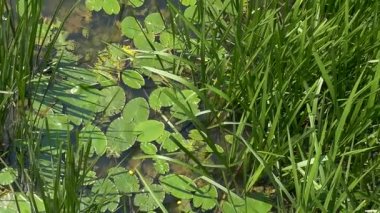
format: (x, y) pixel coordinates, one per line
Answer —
(7, 176)
(145, 200)
(179, 186)
(109, 6)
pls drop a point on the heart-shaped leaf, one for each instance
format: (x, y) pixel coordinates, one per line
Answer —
(136, 110)
(149, 130)
(120, 136)
(179, 186)
(133, 79)
(130, 27)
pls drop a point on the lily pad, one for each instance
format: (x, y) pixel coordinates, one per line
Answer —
(7, 176)
(120, 136)
(95, 5)
(130, 27)
(238, 204)
(161, 166)
(136, 3)
(206, 197)
(149, 130)
(97, 138)
(136, 110)
(111, 7)
(107, 195)
(124, 181)
(154, 23)
(112, 101)
(144, 41)
(146, 202)
(133, 79)
(159, 98)
(148, 148)
(179, 186)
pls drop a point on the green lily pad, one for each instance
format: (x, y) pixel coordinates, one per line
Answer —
(189, 104)
(124, 181)
(144, 41)
(161, 166)
(149, 130)
(111, 7)
(168, 141)
(108, 195)
(136, 110)
(196, 135)
(7, 176)
(159, 98)
(120, 136)
(112, 101)
(179, 186)
(133, 79)
(188, 2)
(146, 202)
(238, 204)
(81, 102)
(136, 3)
(95, 5)
(97, 138)
(206, 197)
(130, 27)
(148, 148)
(154, 23)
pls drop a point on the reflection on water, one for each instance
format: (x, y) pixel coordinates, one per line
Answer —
(91, 31)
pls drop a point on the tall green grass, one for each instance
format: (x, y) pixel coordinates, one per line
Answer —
(296, 84)
(26, 49)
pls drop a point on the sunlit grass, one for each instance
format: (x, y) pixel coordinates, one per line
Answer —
(296, 84)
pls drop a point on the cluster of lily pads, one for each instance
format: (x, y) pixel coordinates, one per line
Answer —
(98, 105)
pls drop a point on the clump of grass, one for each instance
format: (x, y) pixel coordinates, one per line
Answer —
(296, 86)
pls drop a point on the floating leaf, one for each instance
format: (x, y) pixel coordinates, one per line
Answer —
(158, 98)
(206, 197)
(144, 41)
(136, 3)
(148, 148)
(108, 195)
(145, 200)
(168, 141)
(133, 79)
(95, 5)
(179, 186)
(161, 166)
(130, 27)
(196, 135)
(120, 136)
(124, 181)
(188, 2)
(7, 176)
(136, 110)
(149, 130)
(112, 101)
(111, 7)
(246, 205)
(97, 138)
(154, 23)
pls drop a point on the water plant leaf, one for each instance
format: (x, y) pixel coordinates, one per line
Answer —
(148, 148)
(158, 98)
(108, 195)
(112, 101)
(136, 110)
(76, 76)
(95, 5)
(96, 136)
(136, 3)
(179, 186)
(189, 103)
(149, 130)
(188, 2)
(238, 204)
(125, 182)
(144, 40)
(111, 7)
(161, 166)
(120, 136)
(206, 197)
(133, 79)
(154, 23)
(145, 201)
(130, 27)
(196, 135)
(7, 176)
